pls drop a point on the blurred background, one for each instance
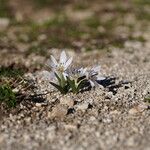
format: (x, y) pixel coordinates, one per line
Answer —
(29, 29)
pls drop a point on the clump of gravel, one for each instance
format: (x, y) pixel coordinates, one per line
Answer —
(113, 116)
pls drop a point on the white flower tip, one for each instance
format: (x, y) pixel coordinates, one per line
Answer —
(63, 57)
(92, 83)
(97, 68)
(68, 63)
(54, 61)
(84, 70)
(100, 78)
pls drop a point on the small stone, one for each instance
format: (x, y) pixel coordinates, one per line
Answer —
(4, 22)
(50, 136)
(26, 137)
(38, 104)
(42, 37)
(92, 118)
(106, 108)
(70, 127)
(133, 111)
(130, 141)
(114, 112)
(142, 107)
(138, 109)
(15, 90)
(59, 111)
(66, 101)
(28, 120)
(1, 139)
(109, 95)
(82, 107)
(107, 120)
(41, 104)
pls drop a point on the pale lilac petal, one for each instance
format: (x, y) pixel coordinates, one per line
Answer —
(92, 83)
(96, 69)
(54, 61)
(87, 74)
(63, 57)
(84, 71)
(68, 63)
(101, 78)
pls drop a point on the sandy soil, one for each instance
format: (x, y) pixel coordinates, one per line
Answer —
(112, 116)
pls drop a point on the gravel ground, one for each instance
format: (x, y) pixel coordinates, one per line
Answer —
(113, 116)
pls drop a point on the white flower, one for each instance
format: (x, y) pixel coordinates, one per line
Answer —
(62, 65)
(75, 74)
(92, 76)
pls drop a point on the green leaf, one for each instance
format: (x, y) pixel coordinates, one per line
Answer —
(72, 85)
(61, 80)
(58, 78)
(56, 86)
(63, 90)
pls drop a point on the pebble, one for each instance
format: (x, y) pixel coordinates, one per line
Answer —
(66, 101)
(59, 111)
(109, 95)
(38, 104)
(41, 104)
(107, 120)
(130, 141)
(4, 22)
(133, 111)
(82, 106)
(70, 127)
(26, 137)
(15, 90)
(114, 112)
(138, 109)
(28, 120)
(1, 139)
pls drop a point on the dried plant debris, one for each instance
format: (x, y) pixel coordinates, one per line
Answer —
(14, 88)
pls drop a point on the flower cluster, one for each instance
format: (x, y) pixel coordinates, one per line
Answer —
(73, 79)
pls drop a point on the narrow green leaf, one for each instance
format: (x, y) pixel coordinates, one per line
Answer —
(58, 78)
(63, 90)
(57, 86)
(72, 85)
(63, 81)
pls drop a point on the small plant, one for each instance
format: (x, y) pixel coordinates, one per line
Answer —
(68, 79)
(7, 95)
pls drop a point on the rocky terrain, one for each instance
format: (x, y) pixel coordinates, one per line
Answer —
(115, 115)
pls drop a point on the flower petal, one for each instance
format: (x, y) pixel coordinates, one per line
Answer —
(63, 57)
(96, 69)
(92, 83)
(100, 78)
(68, 63)
(84, 71)
(54, 61)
